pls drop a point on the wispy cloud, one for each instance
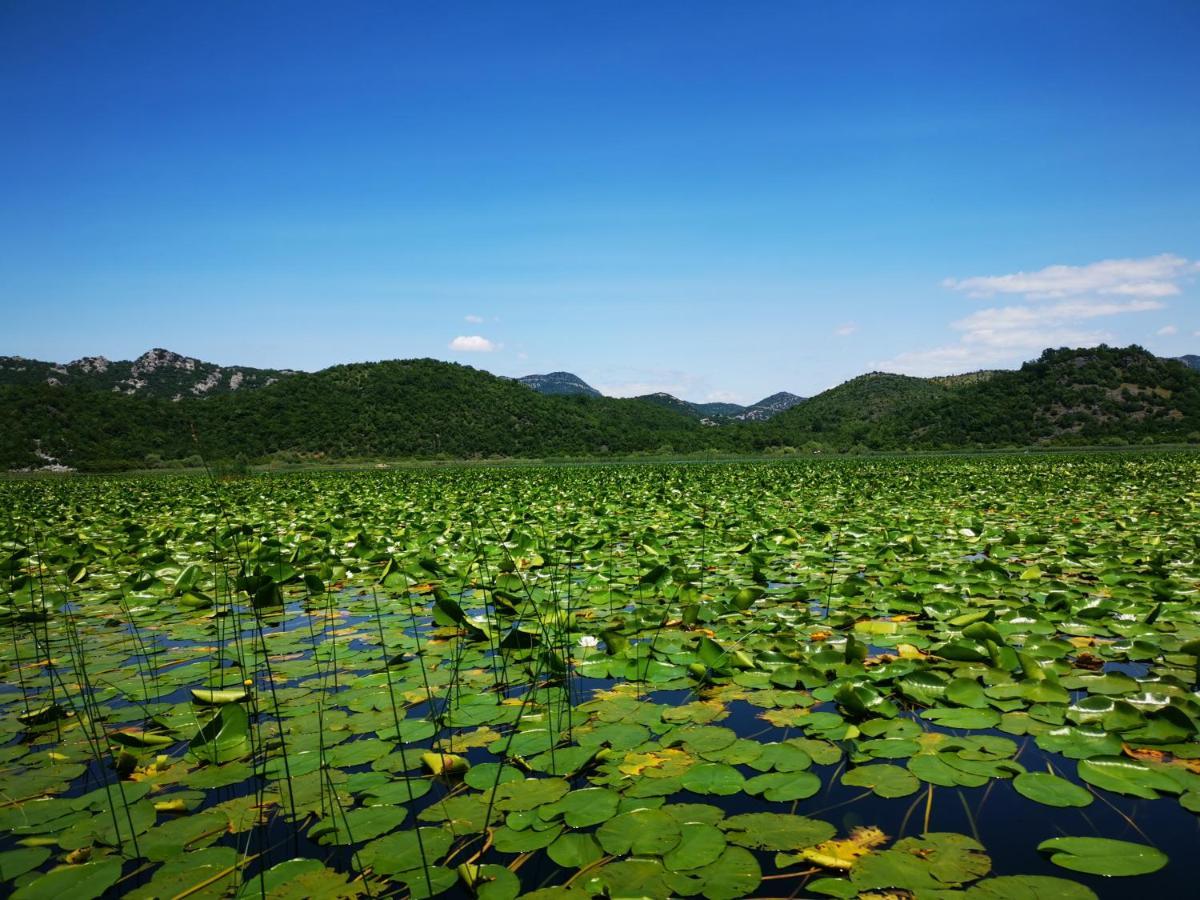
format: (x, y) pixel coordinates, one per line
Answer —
(637, 382)
(845, 330)
(721, 397)
(1152, 276)
(1062, 306)
(473, 343)
(1015, 326)
(1167, 331)
(474, 320)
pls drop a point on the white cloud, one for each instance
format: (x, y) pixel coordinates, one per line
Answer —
(474, 320)
(1151, 276)
(636, 381)
(473, 344)
(640, 388)
(1062, 307)
(845, 330)
(722, 397)
(1016, 327)
(1167, 331)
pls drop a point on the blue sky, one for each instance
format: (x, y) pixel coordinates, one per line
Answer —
(719, 200)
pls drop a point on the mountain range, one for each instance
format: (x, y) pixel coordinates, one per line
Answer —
(97, 415)
(156, 373)
(565, 384)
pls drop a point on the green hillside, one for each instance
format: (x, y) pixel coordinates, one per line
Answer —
(1097, 395)
(388, 409)
(426, 409)
(869, 410)
(156, 373)
(1065, 397)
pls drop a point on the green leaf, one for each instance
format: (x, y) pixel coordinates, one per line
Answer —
(952, 858)
(14, 863)
(963, 718)
(629, 878)
(1125, 776)
(784, 786)
(490, 882)
(713, 778)
(585, 807)
(530, 793)
(1103, 856)
(213, 697)
(642, 832)
(776, 831)
(508, 840)
(574, 850)
(1028, 887)
(884, 779)
(82, 882)
(735, 874)
(225, 737)
(893, 869)
(966, 692)
(404, 851)
(1051, 790)
(699, 844)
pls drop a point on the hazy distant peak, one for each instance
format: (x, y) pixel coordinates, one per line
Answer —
(560, 383)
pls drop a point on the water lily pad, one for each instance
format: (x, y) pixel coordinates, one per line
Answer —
(490, 882)
(935, 768)
(14, 863)
(530, 793)
(713, 778)
(733, 875)
(207, 873)
(1029, 887)
(642, 832)
(1103, 856)
(508, 840)
(784, 786)
(585, 807)
(403, 851)
(884, 779)
(574, 850)
(82, 882)
(1125, 776)
(952, 858)
(1051, 790)
(894, 869)
(699, 844)
(963, 717)
(300, 879)
(776, 831)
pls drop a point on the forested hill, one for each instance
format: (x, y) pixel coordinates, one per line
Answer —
(1065, 397)
(156, 373)
(421, 408)
(425, 408)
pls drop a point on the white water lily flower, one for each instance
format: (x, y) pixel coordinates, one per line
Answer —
(588, 641)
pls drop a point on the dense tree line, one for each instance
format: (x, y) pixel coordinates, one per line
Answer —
(428, 409)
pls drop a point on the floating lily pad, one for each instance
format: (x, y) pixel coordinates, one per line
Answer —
(1103, 856)
(1051, 790)
(82, 882)
(884, 779)
(642, 832)
(776, 831)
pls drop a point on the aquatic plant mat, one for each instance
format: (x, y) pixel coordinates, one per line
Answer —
(843, 678)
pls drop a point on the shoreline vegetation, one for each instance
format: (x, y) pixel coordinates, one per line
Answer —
(235, 468)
